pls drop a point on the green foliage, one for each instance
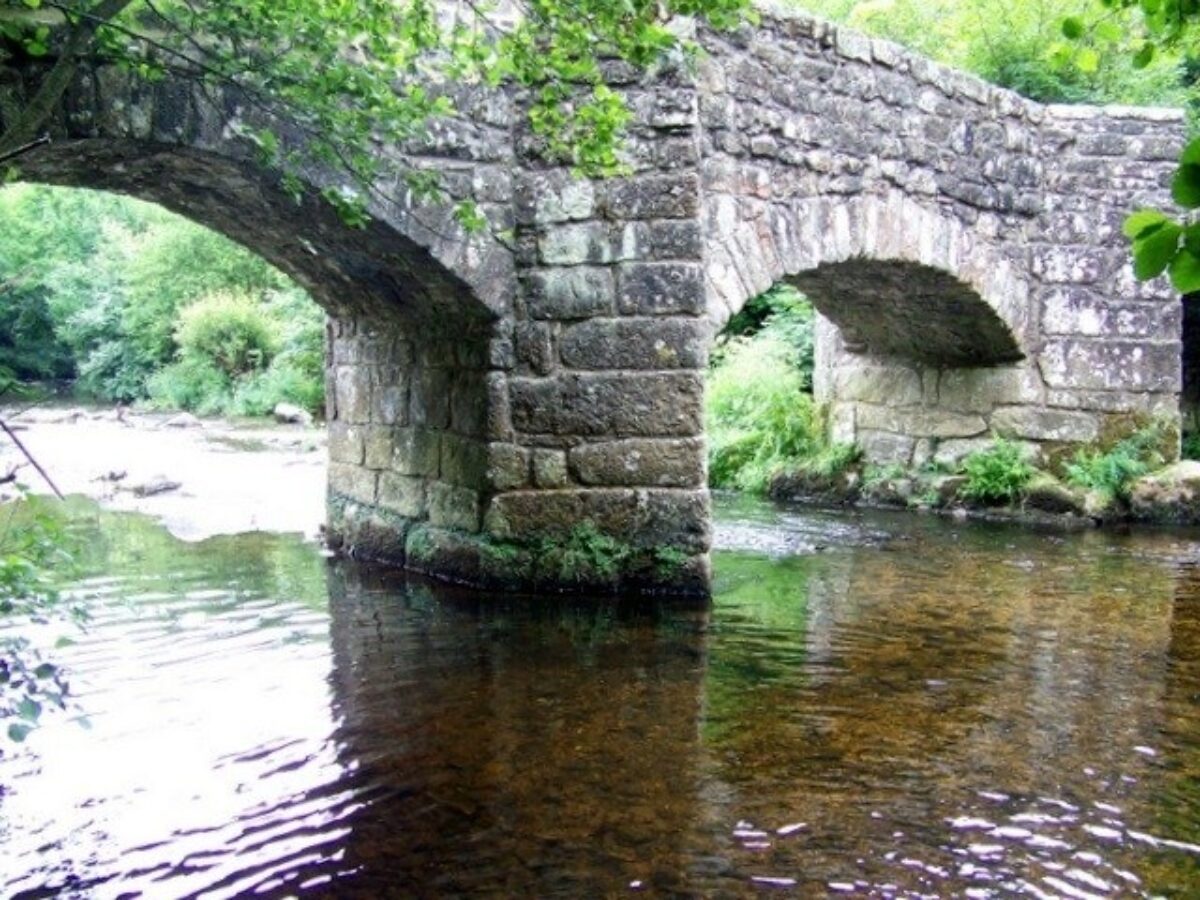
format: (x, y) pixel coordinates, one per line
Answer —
(98, 290)
(586, 553)
(32, 545)
(331, 81)
(228, 331)
(787, 314)
(193, 383)
(1112, 472)
(760, 417)
(996, 475)
(1190, 446)
(1078, 51)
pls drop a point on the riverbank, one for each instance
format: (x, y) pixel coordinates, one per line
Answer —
(199, 477)
(1167, 496)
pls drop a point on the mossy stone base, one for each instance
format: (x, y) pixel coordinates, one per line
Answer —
(584, 560)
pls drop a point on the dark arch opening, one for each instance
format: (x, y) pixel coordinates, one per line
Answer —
(895, 308)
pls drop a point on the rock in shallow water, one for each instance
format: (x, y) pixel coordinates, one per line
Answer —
(1170, 495)
(159, 484)
(290, 414)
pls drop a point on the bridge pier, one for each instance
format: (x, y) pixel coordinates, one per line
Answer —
(446, 465)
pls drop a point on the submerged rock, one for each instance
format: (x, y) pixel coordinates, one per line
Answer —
(1169, 495)
(946, 488)
(813, 487)
(159, 484)
(1046, 493)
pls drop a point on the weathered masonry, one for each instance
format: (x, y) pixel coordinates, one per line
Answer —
(528, 412)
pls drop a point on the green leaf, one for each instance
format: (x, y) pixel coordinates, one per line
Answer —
(1144, 56)
(1191, 152)
(1185, 187)
(18, 732)
(45, 670)
(1154, 252)
(1087, 60)
(1138, 223)
(1072, 28)
(1185, 272)
(1109, 31)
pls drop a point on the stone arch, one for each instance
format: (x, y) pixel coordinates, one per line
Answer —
(848, 255)
(925, 328)
(415, 304)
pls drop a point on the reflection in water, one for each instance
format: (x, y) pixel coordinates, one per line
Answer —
(960, 711)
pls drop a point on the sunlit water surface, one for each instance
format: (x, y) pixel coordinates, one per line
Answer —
(874, 706)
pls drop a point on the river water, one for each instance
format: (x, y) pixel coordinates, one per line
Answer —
(884, 706)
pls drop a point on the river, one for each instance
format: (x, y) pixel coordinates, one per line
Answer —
(874, 705)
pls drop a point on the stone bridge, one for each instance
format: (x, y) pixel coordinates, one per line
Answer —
(529, 412)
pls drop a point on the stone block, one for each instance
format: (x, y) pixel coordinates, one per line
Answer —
(1038, 424)
(550, 468)
(654, 197)
(1081, 313)
(416, 451)
(1115, 401)
(661, 240)
(640, 463)
(352, 394)
(570, 293)
(678, 343)
(616, 405)
(1111, 365)
(346, 443)
(351, 481)
(430, 398)
(660, 288)
(507, 466)
(919, 421)
(573, 200)
(883, 448)
(534, 347)
(892, 385)
(377, 447)
(453, 506)
(402, 494)
(640, 518)
(389, 400)
(468, 403)
(982, 390)
(464, 461)
(575, 244)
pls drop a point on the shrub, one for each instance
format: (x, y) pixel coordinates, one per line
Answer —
(192, 383)
(783, 312)
(282, 382)
(33, 546)
(996, 475)
(1112, 472)
(229, 331)
(760, 418)
(1190, 448)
